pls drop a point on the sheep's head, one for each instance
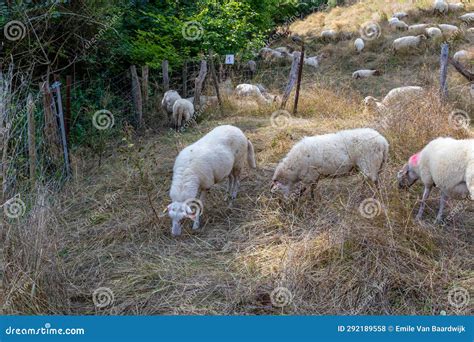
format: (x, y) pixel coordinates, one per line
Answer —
(282, 181)
(178, 211)
(407, 176)
(370, 102)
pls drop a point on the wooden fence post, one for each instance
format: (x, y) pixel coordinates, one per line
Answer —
(298, 83)
(444, 71)
(291, 79)
(185, 79)
(50, 123)
(67, 112)
(214, 78)
(166, 78)
(31, 138)
(56, 86)
(198, 85)
(137, 96)
(145, 72)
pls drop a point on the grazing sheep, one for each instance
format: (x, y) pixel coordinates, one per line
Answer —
(252, 66)
(169, 98)
(220, 154)
(468, 17)
(434, 32)
(256, 91)
(282, 49)
(364, 73)
(445, 163)
(270, 55)
(315, 60)
(331, 155)
(400, 15)
(329, 34)
(464, 56)
(359, 44)
(394, 99)
(440, 6)
(183, 110)
(392, 20)
(399, 25)
(455, 7)
(417, 28)
(408, 43)
(448, 30)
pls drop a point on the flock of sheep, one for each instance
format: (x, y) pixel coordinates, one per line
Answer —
(222, 154)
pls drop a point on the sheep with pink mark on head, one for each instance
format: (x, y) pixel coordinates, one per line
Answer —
(445, 163)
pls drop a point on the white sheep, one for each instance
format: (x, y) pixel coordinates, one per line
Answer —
(455, 7)
(448, 30)
(434, 32)
(220, 154)
(464, 56)
(364, 73)
(392, 20)
(183, 110)
(408, 43)
(312, 61)
(169, 98)
(440, 6)
(400, 15)
(418, 28)
(331, 155)
(399, 25)
(394, 99)
(329, 34)
(359, 44)
(468, 17)
(255, 91)
(270, 55)
(445, 163)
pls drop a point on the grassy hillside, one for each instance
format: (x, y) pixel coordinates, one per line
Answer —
(264, 255)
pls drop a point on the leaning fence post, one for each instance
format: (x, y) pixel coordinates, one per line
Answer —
(137, 96)
(214, 78)
(30, 106)
(298, 83)
(291, 79)
(56, 86)
(166, 78)
(198, 85)
(444, 71)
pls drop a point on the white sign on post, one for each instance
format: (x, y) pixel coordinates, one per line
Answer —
(229, 59)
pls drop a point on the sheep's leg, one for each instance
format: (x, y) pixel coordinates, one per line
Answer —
(235, 188)
(197, 220)
(426, 194)
(442, 205)
(230, 185)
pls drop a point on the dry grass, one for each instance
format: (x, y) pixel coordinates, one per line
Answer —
(106, 228)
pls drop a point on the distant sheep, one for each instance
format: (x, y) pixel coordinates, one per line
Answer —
(434, 32)
(331, 155)
(445, 163)
(440, 6)
(392, 20)
(169, 98)
(399, 25)
(417, 28)
(315, 60)
(220, 154)
(408, 43)
(468, 17)
(329, 34)
(183, 110)
(364, 73)
(252, 66)
(464, 56)
(359, 44)
(255, 91)
(455, 7)
(395, 99)
(400, 15)
(448, 30)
